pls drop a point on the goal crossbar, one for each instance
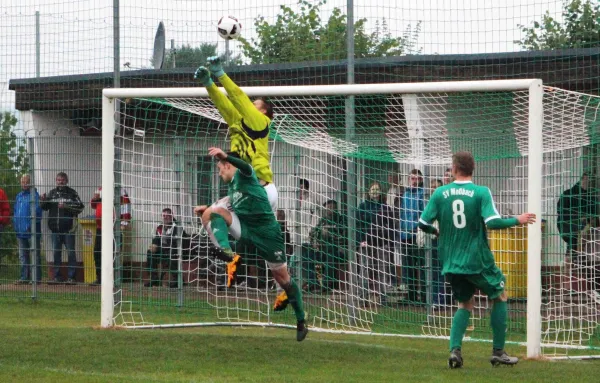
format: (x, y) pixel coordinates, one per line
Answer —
(335, 90)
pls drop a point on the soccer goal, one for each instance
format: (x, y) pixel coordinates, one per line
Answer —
(353, 165)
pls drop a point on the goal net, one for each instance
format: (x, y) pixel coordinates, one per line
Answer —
(354, 167)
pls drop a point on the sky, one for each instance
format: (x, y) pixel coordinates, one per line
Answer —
(76, 35)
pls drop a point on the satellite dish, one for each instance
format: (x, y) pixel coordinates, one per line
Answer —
(158, 55)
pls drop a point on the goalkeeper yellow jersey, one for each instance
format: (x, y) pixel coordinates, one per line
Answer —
(248, 127)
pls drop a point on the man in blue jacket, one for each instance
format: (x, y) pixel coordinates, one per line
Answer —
(22, 225)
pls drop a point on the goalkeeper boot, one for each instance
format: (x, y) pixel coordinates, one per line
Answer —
(214, 64)
(281, 302)
(455, 360)
(301, 330)
(232, 269)
(501, 357)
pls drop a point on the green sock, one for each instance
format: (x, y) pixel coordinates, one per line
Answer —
(499, 312)
(459, 327)
(295, 297)
(220, 231)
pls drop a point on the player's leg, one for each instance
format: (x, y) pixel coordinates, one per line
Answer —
(272, 195)
(268, 240)
(491, 283)
(463, 291)
(282, 300)
(218, 222)
(294, 294)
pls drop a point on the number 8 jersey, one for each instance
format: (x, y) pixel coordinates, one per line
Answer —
(462, 210)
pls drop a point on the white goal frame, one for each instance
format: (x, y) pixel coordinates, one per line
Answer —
(534, 184)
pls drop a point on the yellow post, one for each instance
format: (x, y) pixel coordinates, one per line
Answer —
(88, 227)
(510, 250)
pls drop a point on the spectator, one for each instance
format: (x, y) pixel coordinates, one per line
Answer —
(163, 250)
(309, 211)
(377, 250)
(22, 225)
(96, 204)
(395, 191)
(63, 206)
(411, 206)
(367, 210)
(577, 208)
(434, 184)
(448, 177)
(326, 251)
(438, 290)
(289, 246)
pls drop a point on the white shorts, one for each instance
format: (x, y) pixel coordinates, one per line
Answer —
(235, 229)
(272, 195)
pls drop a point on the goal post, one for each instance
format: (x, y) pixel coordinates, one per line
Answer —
(534, 205)
(334, 312)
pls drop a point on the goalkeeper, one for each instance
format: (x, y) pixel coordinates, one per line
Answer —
(251, 221)
(249, 124)
(463, 210)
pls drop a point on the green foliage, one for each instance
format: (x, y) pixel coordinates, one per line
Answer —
(580, 28)
(187, 56)
(304, 36)
(13, 163)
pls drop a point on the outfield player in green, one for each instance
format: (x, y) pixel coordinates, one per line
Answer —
(463, 211)
(249, 123)
(250, 220)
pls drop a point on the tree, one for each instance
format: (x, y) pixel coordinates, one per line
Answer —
(580, 28)
(303, 36)
(13, 163)
(187, 56)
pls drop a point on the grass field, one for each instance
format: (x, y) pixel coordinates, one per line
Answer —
(58, 341)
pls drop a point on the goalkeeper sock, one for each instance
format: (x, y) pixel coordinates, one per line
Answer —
(498, 321)
(459, 327)
(295, 297)
(219, 233)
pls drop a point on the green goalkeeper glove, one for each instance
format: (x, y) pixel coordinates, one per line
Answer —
(214, 64)
(202, 74)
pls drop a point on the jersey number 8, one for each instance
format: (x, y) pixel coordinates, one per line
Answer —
(458, 216)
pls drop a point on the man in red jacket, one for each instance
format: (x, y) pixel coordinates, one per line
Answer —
(96, 204)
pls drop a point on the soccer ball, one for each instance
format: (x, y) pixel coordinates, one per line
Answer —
(229, 27)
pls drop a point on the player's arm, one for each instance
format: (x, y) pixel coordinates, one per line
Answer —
(492, 218)
(251, 116)
(244, 167)
(227, 110)
(429, 215)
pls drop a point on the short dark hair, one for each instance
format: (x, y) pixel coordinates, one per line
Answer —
(304, 183)
(416, 172)
(268, 107)
(448, 170)
(62, 174)
(167, 210)
(330, 202)
(464, 163)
